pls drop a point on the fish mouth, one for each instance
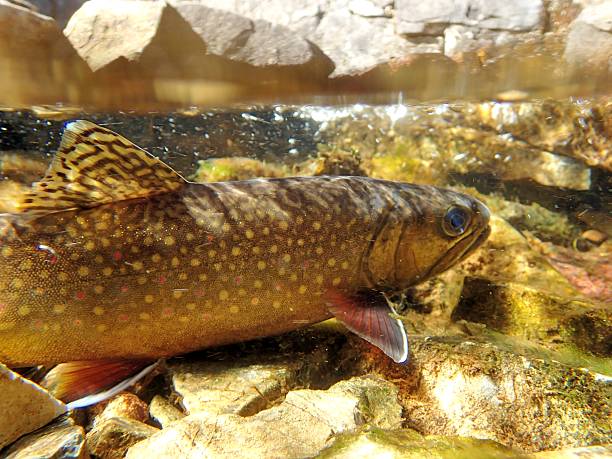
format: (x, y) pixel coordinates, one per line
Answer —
(461, 250)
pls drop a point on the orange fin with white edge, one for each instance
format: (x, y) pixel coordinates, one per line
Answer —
(85, 383)
(368, 315)
(95, 166)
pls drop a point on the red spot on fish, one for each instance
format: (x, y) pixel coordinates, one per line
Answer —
(278, 287)
(80, 295)
(207, 316)
(238, 279)
(210, 238)
(162, 279)
(306, 264)
(124, 288)
(77, 322)
(53, 260)
(123, 317)
(117, 255)
(2, 307)
(167, 312)
(38, 324)
(199, 293)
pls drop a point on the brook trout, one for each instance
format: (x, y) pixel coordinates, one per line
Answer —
(113, 257)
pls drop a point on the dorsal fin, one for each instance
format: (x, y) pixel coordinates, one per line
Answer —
(96, 166)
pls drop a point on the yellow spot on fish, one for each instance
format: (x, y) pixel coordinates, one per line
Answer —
(345, 265)
(83, 271)
(319, 279)
(190, 236)
(249, 234)
(258, 283)
(183, 319)
(254, 301)
(175, 262)
(276, 304)
(17, 283)
(256, 250)
(101, 226)
(319, 250)
(147, 241)
(235, 251)
(212, 253)
(316, 226)
(156, 257)
(75, 256)
(137, 265)
(134, 249)
(293, 277)
(144, 316)
(26, 264)
(105, 242)
(234, 309)
(107, 271)
(99, 259)
(183, 276)
(141, 280)
(190, 306)
(23, 311)
(302, 289)
(149, 299)
(273, 248)
(223, 295)
(195, 262)
(55, 327)
(98, 310)
(7, 251)
(177, 294)
(283, 225)
(331, 262)
(98, 289)
(59, 308)
(183, 250)
(286, 258)
(101, 327)
(261, 265)
(202, 277)
(300, 242)
(90, 245)
(226, 227)
(299, 220)
(266, 231)
(241, 292)
(336, 280)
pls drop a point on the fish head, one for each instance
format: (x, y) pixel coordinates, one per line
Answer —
(429, 230)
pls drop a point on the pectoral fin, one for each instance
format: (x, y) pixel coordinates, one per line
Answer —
(89, 382)
(368, 316)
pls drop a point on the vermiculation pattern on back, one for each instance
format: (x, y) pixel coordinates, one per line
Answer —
(182, 270)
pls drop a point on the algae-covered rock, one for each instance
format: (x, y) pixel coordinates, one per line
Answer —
(300, 426)
(236, 168)
(466, 387)
(507, 256)
(518, 310)
(24, 406)
(409, 444)
(59, 440)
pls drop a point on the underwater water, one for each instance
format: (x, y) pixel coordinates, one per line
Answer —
(510, 348)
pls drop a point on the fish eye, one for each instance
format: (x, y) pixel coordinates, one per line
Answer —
(456, 221)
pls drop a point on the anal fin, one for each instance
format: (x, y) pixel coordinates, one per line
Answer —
(88, 382)
(368, 316)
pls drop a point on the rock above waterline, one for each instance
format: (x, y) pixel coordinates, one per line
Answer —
(24, 406)
(302, 425)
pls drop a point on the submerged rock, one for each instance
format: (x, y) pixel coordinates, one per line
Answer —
(111, 438)
(300, 426)
(409, 444)
(257, 379)
(59, 440)
(465, 387)
(164, 412)
(24, 406)
(125, 405)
